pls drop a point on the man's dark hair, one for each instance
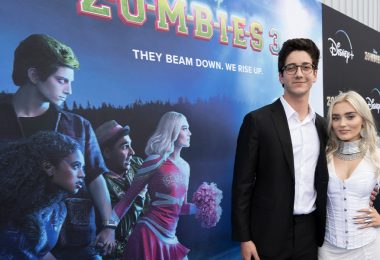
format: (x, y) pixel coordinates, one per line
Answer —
(43, 53)
(298, 44)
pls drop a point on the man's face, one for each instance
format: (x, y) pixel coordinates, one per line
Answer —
(300, 83)
(119, 156)
(57, 87)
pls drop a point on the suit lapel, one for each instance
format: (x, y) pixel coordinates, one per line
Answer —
(320, 125)
(321, 131)
(281, 125)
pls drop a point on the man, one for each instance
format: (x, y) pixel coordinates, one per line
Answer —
(116, 147)
(43, 69)
(280, 174)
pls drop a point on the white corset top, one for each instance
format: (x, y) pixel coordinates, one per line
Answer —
(344, 199)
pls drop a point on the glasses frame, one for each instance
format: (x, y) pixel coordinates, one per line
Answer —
(313, 68)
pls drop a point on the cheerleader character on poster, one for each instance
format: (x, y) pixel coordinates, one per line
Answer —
(166, 175)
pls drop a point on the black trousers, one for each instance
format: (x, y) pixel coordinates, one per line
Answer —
(301, 243)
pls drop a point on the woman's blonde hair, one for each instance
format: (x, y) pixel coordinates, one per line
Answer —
(369, 133)
(166, 133)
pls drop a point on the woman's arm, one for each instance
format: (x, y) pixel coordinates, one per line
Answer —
(139, 182)
(188, 208)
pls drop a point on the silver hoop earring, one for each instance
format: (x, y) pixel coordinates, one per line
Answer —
(363, 133)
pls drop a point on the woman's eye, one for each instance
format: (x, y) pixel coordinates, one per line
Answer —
(76, 166)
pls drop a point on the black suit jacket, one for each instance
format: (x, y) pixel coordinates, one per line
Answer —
(263, 183)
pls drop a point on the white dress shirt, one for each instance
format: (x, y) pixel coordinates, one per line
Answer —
(344, 198)
(305, 143)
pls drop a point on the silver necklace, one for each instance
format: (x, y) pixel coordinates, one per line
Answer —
(348, 151)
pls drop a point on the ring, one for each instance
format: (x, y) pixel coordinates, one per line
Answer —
(368, 216)
(368, 221)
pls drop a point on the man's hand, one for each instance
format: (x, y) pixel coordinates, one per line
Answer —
(367, 218)
(248, 250)
(105, 240)
(373, 195)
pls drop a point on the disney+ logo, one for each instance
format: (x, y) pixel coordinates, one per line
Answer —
(371, 101)
(337, 50)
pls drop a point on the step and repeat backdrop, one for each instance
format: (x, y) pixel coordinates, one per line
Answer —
(212, 60)
(351, 59)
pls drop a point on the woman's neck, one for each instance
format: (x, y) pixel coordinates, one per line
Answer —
(176, 154)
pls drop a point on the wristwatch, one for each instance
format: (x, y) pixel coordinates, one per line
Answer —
(112, 224)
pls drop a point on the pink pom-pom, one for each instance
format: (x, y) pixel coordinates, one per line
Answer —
(207, 198)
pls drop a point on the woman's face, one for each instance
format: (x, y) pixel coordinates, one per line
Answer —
(346, 122)
(183, 139)
(69, 173)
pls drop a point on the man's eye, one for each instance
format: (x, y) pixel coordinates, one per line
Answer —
(306, 67)
(291, 67)
(61, 80)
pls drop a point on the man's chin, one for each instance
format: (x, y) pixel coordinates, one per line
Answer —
(57, 103)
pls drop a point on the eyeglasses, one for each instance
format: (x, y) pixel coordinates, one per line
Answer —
(292, 68)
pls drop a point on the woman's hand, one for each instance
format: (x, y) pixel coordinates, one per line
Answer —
(105, 240)
(367, 218)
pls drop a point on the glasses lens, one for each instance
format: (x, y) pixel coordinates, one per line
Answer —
(292, 68)
(306, 68)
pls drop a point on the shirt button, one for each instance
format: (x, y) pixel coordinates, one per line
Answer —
(345, 220)
(345, 209)
(345, 199)
(344, 187)
(346, 231)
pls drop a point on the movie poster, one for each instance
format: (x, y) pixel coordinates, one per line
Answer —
(211, 60)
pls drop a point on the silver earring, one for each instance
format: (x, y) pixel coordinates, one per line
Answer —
(363, 133)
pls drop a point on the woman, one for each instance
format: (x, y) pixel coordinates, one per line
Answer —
(35, 175)
(167, 176)
(354, 166)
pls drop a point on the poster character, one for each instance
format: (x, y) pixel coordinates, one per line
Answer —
(167, 175)
(43, 70)
(49, 166)
(116, 146)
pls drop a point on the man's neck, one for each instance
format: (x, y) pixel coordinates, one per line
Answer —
(299, 104)
(117, 172)
(27, 102)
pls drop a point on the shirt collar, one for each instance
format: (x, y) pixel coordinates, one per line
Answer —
(290, 112)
